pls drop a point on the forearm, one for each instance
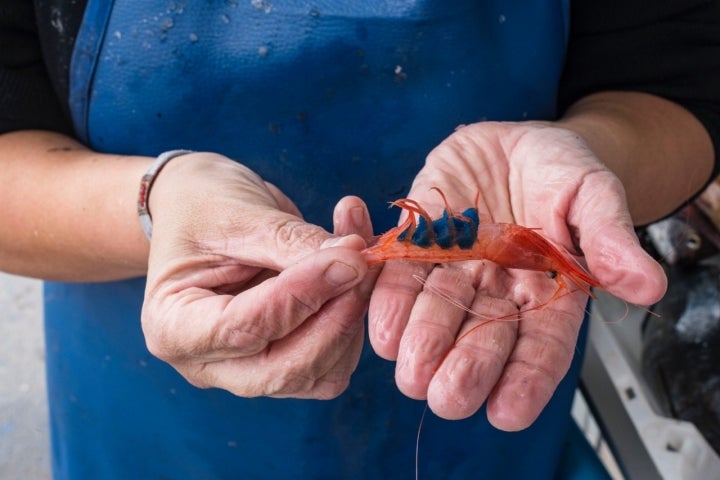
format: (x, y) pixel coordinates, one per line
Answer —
(660, 151)
(68, 213)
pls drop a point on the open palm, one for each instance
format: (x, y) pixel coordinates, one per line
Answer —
(538, 176)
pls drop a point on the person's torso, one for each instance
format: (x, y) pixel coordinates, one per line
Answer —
(323, 99)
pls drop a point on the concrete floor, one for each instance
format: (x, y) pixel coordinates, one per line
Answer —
(24, 446)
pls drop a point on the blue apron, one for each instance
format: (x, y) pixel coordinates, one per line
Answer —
(324, 99)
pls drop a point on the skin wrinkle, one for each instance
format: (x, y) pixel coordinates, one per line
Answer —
(465, 377)
(466, 352)
(481, 374)
(561, 220)
(555, 350)
(247, 328)
(174, 278)
(534, 289)
(412, 376)
(497, 209)
(557, 204)
(384, 324)
(436, 284)
(198, 374)
(433, 338)
(529, 379)
(465, 147)
(488, 281)
(245, 342)
(158, 337)
(189, 347)
(514, 177)
(519, 404)
(291, 231)
(485, 307)
(275, 383)
(290, 380)
(298, 307)
(390, 313)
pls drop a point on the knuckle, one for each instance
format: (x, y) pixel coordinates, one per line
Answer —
(302, 304)
(329, 390)
(432, 339)
(248, 339)
(486, 357)
(198, 375)
(551, 355)
(293, 231)
(158, 338)
(289, 382)
(294, 300)
(198, 382)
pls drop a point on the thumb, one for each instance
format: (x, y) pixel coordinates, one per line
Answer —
(616, 258)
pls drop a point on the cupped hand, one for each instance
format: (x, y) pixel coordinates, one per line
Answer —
(244, 295)
(538, 176)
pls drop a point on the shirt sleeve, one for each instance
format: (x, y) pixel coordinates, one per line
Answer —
(669, 48)
(27, 97)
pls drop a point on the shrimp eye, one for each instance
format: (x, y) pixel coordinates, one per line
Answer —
(551, 274)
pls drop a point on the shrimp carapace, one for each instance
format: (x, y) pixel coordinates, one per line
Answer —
(456, 237)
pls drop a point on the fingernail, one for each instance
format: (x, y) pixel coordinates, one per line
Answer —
(339, 273)
(358, 216)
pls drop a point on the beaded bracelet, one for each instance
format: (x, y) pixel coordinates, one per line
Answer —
(146, 184)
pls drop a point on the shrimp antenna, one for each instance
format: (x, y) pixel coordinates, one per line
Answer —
(436, 291)
(444, 199)
(417, 442)
(414, 207)
(488, 216)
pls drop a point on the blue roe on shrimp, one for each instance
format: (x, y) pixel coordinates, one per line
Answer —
(446, 231)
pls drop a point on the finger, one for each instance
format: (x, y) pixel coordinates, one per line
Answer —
(314, 361)
(471, 369)
(540, 359)
(431, 329)
(623, 267)
(391, 302)
(177, 326)
(351, 216)
(610, 246)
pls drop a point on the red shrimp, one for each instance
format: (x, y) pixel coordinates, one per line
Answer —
(461, 236)
(457, 237)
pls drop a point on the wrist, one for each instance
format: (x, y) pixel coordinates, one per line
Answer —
(146, 184)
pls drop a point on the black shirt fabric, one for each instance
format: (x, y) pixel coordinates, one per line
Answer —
(670, 48)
